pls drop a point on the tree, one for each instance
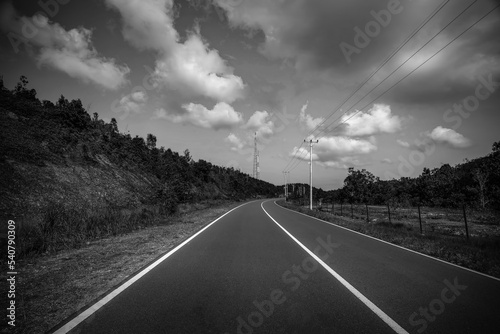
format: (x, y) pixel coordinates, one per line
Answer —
(21, 86)
(21, 89)
(48, 104)
(114, 125)
(62, 102)
(481, 177)
(150, 141)
(359, 184)
(496, 147)
(187, 156)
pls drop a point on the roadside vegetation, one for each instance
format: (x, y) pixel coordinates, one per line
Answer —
(439, 201)
(69, 177)
(55, 285)
(480, 253)
(92, 205)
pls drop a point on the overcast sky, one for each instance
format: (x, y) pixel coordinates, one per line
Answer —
(207, 75)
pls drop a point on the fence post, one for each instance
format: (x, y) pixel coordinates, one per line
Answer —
(367, 214)
(352, 212)
(341, 208)
(389, 211)
(465, 220)
(333, 207)
(420, 219)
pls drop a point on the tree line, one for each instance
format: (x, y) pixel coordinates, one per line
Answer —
(475, 183)
(64, 131)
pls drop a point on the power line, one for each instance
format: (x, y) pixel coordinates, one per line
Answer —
(372, 74)
(403, 63)
(409, 72)
(293, 156)
(410, 57)
(423, 63)
(430, 17)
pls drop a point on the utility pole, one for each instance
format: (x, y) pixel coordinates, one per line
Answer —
(311, 172)
(286, 183)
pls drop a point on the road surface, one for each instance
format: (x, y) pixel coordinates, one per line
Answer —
(265, 269)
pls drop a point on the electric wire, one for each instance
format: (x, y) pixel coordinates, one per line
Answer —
(293, 165)
(373, 73)
(423, 63)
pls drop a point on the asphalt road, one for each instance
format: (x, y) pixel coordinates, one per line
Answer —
(265, 269)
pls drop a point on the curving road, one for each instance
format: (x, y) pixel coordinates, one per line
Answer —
(261, 268)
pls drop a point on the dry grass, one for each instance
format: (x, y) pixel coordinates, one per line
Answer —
(479, 253)
(54, 286)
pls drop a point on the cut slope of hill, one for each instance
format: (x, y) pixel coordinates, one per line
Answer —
(56, 157)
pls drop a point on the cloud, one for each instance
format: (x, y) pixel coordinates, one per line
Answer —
(448, 137)
(70, 51)
(308, 34)
(236, 143)
(336, 151)
(403, 143)
(376, 120)
(190, 68)
(386, 161)
(131, 103)
(222, 116)
(160, 114)
(307, 121)
(260, 122)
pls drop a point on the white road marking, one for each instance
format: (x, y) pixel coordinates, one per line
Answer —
(92, 309)
(386, 242)
(374, 308)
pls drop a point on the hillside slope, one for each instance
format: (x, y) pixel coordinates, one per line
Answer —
(57, 155)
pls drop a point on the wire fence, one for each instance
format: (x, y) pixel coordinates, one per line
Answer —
(462, 222)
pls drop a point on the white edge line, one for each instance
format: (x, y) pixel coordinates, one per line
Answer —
(387, 242)
(92, 309)
(374, 308)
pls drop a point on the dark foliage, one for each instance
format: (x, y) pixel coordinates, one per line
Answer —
(475, 183)
(63, 132)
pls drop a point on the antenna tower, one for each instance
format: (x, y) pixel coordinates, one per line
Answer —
(256, 167)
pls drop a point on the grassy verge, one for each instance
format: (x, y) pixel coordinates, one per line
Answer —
(481, 254)
(54, 285)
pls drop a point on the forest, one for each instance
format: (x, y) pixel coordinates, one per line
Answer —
(64, 133)
(475, 183)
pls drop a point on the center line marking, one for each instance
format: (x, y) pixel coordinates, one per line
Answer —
(381, 314)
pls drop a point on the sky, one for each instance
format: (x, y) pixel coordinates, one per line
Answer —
(390, 86)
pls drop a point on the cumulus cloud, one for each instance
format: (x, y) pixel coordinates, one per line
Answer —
(448, 137)
(70, 51)
(236, 143)
(308, 33)
(378, 119)
(190, 68)
(307, 121)
(403, 143)
(336, 151)
(131, 103)
(386, 161)
(260, 123)
(222, 116)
